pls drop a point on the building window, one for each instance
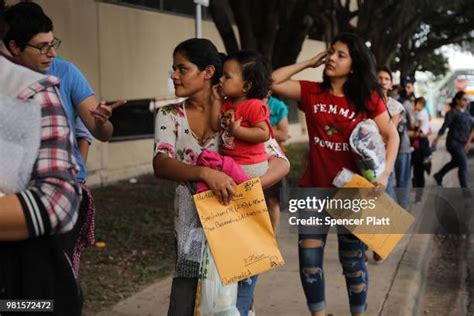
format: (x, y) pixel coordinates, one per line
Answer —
(132, 121)
(182, 7)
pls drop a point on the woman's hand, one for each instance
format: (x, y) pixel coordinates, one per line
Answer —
(221, 184)
(382, 180)
(467, 146)
(318, 60)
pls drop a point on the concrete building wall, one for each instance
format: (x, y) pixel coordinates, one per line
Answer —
(125, 53)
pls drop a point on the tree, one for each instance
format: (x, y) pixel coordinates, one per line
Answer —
(275, 28)
(402, 33)
(405, 33)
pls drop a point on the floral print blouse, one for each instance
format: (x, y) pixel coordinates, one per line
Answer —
(174, 137)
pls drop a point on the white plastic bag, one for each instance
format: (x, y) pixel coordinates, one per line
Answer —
(342, 177)
(366, 141)
(212, 297)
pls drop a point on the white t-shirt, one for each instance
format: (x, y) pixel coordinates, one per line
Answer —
(394, 107)
(423, 121)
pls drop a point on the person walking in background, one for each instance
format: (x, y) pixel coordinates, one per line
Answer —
(407, 93)
(422, 152)
(460, 135)
(403, 161)
(396, 111)
(348, 94)
(279, 119)
(279, 122)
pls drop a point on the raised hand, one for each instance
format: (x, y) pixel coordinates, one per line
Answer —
(103, 112)
(319, 59)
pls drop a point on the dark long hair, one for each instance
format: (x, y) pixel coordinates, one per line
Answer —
(362, 80)
(457, 97)
(202, 53)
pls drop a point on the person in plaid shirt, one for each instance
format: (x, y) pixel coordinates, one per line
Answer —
(33, 264)
(30, 40)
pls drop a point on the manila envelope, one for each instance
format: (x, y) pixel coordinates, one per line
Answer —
(380, 239)
(240, 234)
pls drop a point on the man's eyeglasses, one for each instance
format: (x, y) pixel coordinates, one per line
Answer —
(44, 48)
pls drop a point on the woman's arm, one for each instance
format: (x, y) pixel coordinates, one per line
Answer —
(169, 168)
(389, 133)
(284, 86)
(446, 124)
(469, 141)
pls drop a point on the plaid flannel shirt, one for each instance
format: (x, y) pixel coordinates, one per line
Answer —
(51, 201)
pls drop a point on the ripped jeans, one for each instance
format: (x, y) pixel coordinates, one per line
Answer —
(351, 256)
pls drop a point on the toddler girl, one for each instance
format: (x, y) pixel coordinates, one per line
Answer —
(242, 117)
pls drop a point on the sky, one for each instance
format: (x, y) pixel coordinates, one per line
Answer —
(458, 59)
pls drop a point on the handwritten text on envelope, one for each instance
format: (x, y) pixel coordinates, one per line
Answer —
(240, 234)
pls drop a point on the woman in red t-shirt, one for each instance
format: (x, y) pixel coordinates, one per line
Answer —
(348, 94)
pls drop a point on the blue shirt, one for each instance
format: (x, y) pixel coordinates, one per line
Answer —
(278, 110)
(74, 89)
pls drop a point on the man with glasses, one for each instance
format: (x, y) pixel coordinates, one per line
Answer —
(31, 42)
(39, 196)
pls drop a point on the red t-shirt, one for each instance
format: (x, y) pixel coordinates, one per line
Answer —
(330, 121)
(251, 111)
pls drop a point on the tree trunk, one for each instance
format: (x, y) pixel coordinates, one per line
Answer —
(223, 24)
(291, 35)
(243, 19)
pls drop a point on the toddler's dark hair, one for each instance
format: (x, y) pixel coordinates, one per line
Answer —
(420, 100)
(256, 70)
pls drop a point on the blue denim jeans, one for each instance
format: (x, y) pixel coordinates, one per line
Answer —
(351, 256)
(402, 176)
(459, 160)
(245, 294)
(390, 186)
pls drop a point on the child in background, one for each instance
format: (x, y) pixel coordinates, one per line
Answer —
(422, 118)
(242, 117)
(279, 122)
(422, 153)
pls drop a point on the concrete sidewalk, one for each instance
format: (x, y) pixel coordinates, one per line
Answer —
(395, 286)
(279, 292)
